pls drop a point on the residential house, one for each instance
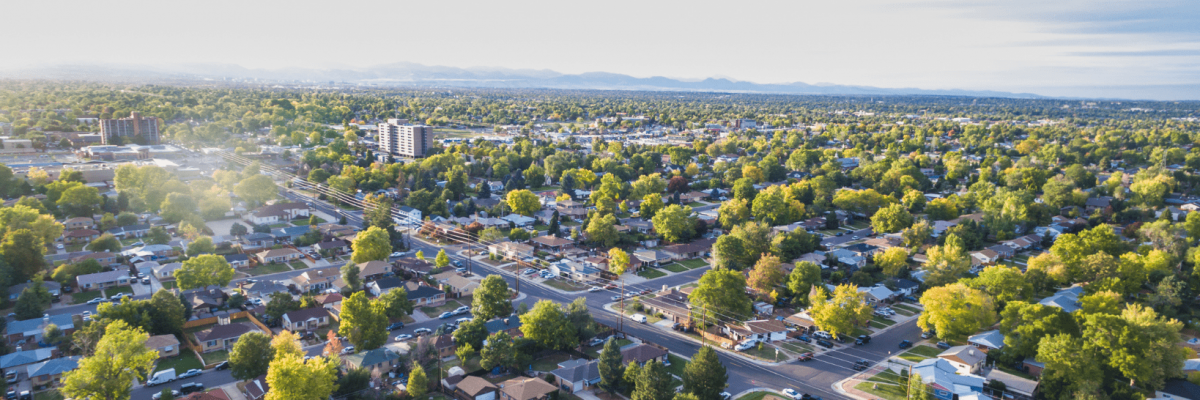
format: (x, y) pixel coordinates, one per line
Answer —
(262, 288)
(862, 250)
(415, 265)
(577, 374)
(382, 360)
(905, 287)
(475, 388)
(444, 345)
(984, 257)
(1066, 299)
(408, 216)
(990, 340)
(965, 359)
(80, 236)
(511, 250)
(519, 220)
(575, 270)
(373, 270)
(151, 252)
(1015, 387)
(287, 235)
(50, 371)
(166, 345)
(238, 260)
(690, 197)
(206, 299)
(104, 258)
(316, 279)
(877, 293)
(30, 330)
(278, 212)
(337, 246)
(307, 319)
(456, 284)
(331, 302)
(648, 258)
(279, 256)
(510, 324)
(638, 225)
(424, 295)
(222, 337)
(766, 330)
(671, 303)
(1177, 389)
(381, 286)
(687, 251)
(946, 384)
(79, 223)
(1002, 251)
(552, 244)
(641, 353)
(15, 360)
(1032, 367)
(526, 389)
(571, 209)
(130, 231)
(257, 389)
(257, 240)
(101, 280)
(166, 271)
(14, 291)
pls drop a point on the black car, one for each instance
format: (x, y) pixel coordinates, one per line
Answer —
(192, 387)
(904, 344)
(395, 326)
(222, 365)
(807, 396)
(943, 345)
(861, 365)
(862, 339)
(825, 343)
(805, 339)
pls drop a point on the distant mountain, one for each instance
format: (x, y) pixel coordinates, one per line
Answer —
(411, 74)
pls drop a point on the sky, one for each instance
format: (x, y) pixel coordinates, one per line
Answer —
(1049, 47)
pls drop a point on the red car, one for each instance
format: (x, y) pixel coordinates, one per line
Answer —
(805, 356)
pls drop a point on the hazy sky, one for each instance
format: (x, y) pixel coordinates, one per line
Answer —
(1010, 45)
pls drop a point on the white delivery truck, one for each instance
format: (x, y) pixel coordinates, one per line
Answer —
(639, 318)
(161, 377)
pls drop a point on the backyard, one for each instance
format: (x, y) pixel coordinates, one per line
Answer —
(433, 312)
(677, 364)
(263, 269)
(594, 351)
(184, 361)
(550, 363)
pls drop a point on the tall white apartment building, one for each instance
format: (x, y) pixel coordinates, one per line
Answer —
(399, 138)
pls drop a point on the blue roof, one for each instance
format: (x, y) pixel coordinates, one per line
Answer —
(54, 367)
(992, 338)
(291, 231)
(25, 357)
(34, 326)
(503, 324)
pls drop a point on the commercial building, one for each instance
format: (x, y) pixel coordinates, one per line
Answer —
(134, 129)
(398, 138)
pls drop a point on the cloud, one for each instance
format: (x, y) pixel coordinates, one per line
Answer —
(1139, 53)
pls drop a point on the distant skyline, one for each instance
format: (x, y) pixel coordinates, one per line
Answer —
(1061, 48)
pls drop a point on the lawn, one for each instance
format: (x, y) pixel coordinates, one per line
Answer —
(215, 357)
(51, 394)
(795, 347)
(883, 321)
(595, 351)
(323, 332)
(433, 312)
(696, 204)
(1014, 371)
(298, 264)
(677, 364)
(922, 352)
(888, 386)
(83, 297)
(767, 352)
(471, 367)
(168, 284)
(280, 225)
(184, 361)
(906, 307)
(694, 263)
(860, 225)
(903, 312)
(651, 273)
(541, 227)
(629, 311)
(756, 395)
(564, 285)
(550, 363)
(675, 268)
(264, 269)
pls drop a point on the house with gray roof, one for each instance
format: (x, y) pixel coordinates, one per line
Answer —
(101, 280)
(53, 287)
(381, 359)
(49, 371)
(941, 377)
(27, 357)
(1066, 299)
(510, 324)
(31, 329)
(965, 359)
(577, 375)
(990, 340)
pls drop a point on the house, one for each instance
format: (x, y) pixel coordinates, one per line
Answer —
(101, 280)
(277, 212)
(687, 251)
(104, 258)
(985, 257)
(337, 246)
(166, 345)
(1015, 387)
(525, 389)
(257, 240)
(130, 231)
(50, 371)
(222, 337)
(577, 375)
(571, 209)
(30, 330)
(289, 234)
(165, 271)
(990, 340)
(408, 216)
(511, 250)
(552, 244)
(238, 260)
(379, 287)
(151, 252)
(262, 288)
(648, 258)
(510, 324)
(945, 382)
(21, 358)
(306, 320)
(415, 265)
(79, 223)
(80, 236)
(519, 220)
(965, 359)
(207, 299)
(671, 303)
(1066, 299)
(444, 345)
(1177, 389)
(877, 293)
(1032, 367)
(14, 291)
(638, 225)
(424, 295)
(575, 270)
(317, 279)
(454, 283)
(373, 270)
(642, 353)
(331, 301)
(1003, 251)
(766, 330)
(278, 256)
(475, 388)
(905, 287)
(257, 389)
(382, 360)
(689, 197)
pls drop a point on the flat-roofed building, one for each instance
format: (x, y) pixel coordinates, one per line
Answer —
(396, 137)
(134, 129)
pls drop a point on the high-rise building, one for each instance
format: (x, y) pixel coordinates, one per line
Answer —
(134, 129)
(396, 137)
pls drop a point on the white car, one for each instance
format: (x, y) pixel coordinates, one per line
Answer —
(747, 345)
(402, 337)
(461, 321)
(791, 393)
(594, 289)
(462, 310)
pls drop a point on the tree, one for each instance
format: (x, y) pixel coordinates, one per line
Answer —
(120, 356)
(523, 202)
(722, 292)
(916, 388)
(941, 209)
(677, 184)
(23, 250)
(373, 244)
(892, 261)
(256, 189)
(472, 333)
(106, 242)
(956, 311)
(442, 260)
(674, 223)
(804, 276)
(251, 356)
(766, 275)
(554, 229)
(178, 206)
(205, 270)
(363, 324)
(841, 314)
(350, 273)
(158, 235)
(80, 201)
(1139, 343)
(396, 303)
(733, 212)
(238, 229)
(281, 303)
(464, 352)
(1071, 363)
(32, 301)
(293, 378)
(1024, 325)
(491, 235)
(166, 313)
(1003, 283)
(946, 263)
(202, 245)
(917, 234)
(891, 219)
(497, 352)
(631, 375)
(602, 230)
(19, 217)
(651, 204)
(547, 325)
(611, 370)
(418, 384)
(491, 299)
(286, 343)
(654, 383)
(705, 376)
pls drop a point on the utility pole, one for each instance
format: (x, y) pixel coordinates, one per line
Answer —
(621, 324)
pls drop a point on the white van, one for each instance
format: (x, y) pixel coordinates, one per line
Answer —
(639, 318)
(161, 377)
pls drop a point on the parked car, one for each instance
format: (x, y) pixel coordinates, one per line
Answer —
(595, 342)
(460, 270)
(807, 396)
(910, 299)
(747, 345)
(462, 310)
(805, 339)
(791, 393)
(222, 366)
(463, 320)
(926, 334)
(862, 339)
(594, 289)
(192, 387)
(403, 336)
(395, 326)
(12, 394)
(825, 343)
(904, 344)
(190, 373)
(422, 331)
(943, 345)
(822, 335)
(638, 318)
(446, 314)
(726, 395)
(808, 356)
(97, 300)
(861, 365)
(145, 281)
(348, 349)
(615, 298)
(158, 395)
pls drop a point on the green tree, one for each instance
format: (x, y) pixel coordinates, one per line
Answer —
(80, 201)
(498, 352)
(464, 352)
(523, 202)
(106, 242)
(733, 212)
(651, 204)
(166, 313)
(19, 217)
(178, 206)
(804, 276)
(603, 231)
(256, 189)
(547, 325)
(350, 275)
(956, 311)
(471, 333)
(1003, 283)
(893, 261)
(204, 270)
(766, 275)
(1069, 360)
(32, 301)
(158, 235)
(916, 388)
(363, 324)
(120, 356)
(23, 250)
(946, 263)
(941, 210)
(1139, 343)
(281, 303)
(251, 356)
(674, 223)
(1024, 325)
(442, 260)
(202, 245)
(491, 299)
(917, 234)
(396, 303)
(373, 244)
(891, 219)
(293, 378)
(653, 383)
(418, 383)
(841, 314)
(705, 376)
(722, 292)
(611, 370)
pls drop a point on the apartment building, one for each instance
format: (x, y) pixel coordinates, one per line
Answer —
(396, 137)
(134, 129)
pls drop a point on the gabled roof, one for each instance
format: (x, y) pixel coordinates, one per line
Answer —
(964, 354)
(25, 357)
(581, 371)
(474, 386)
(54, 367)
(221, 332)
(103, 277)
(993, 339)
(526, 388)
(641, 353)
(421, 291)
(370, 357)
(373, 268)
(502, 324)
(160, 341)
(765, 326)
(307, 314)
